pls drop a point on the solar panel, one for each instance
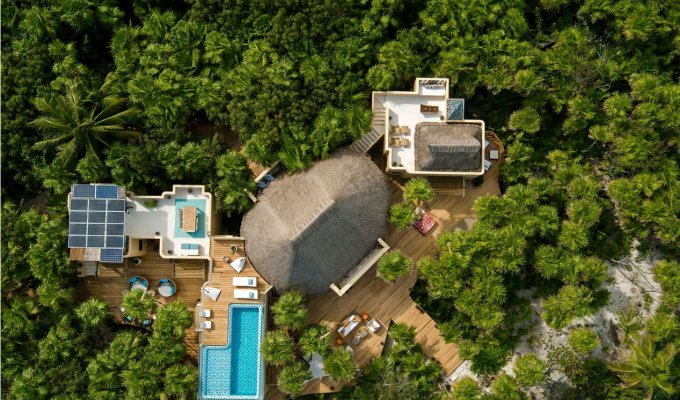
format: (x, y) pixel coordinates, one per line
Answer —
(97, 220)
(115, 205)
(111, 255)
(80, 190)
(76, 241)
(106, 192)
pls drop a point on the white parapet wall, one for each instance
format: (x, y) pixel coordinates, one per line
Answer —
(357, 272)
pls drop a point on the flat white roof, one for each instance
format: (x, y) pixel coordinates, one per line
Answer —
(162, 221)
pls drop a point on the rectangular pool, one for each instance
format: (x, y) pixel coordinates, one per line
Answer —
(234, 371)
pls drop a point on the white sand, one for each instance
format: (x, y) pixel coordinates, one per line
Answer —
(632, 281)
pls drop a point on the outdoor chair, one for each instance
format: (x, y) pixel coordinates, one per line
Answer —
(373, 325)
(245, 294)
(395, 141)
(363, 333)
(487, 165)
(268, 178)
(206, 325)
(405, 142)
(355, 341)
(206, 313)
(404, 130)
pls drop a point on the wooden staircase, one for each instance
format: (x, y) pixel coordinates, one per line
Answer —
(377, 132)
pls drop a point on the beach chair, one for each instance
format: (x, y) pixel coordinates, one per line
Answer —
(404, 130)
(206, 313)
(268, 178)
(244, 281)
(487, 165)
(248, 294)
(405, 142)
(206, 325)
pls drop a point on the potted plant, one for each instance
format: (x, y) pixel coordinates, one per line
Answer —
(402, 215)
(393, 265)
(418, 191)
(151, 203)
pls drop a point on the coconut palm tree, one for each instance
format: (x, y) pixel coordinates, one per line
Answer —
(92, 312)
(529, 370)
(138, 304)
(631, 325)
(290, 311)
(402, 215)
(647, 367)
(292, 378)
(393, 265)
(173, 319)
(76, 122)
(418, 191)
(340, 365)
(180, 381)
(315, 339)
(277, 348)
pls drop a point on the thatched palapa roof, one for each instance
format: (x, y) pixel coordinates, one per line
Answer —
(448, 147)
(309, 229)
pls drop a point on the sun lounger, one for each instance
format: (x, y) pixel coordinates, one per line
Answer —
(244, 281)
(405, 142)
(206, 313)
(404, 130)
(206, 325)
(245, 294)
(487, 165)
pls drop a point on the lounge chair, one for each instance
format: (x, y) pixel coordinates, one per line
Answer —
(349, 348)
(206, 313)
(268, 178)
(373, 325)
(355, 341)
(245, 294)
(206, 325)
(261, 185)
(405, 142)
(244, 281)
(487, 165)
(395, 141)
(393, 128)
(404, 130)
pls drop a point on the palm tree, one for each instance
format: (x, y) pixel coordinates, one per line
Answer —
(315, 339)
(180, 381)
(292, 378)
(631, 325)
(418, 191)
(393, 265)
(75, 122)
(529, 370)
(402, 215)
(277, 348)
(290, 311)
(92, 312)
(647, 367)
(340, 365)
(173, 319)
(138, 304)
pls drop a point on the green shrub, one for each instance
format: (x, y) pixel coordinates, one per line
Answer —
(466, 388)
(529, 370)
(393, 265)
(402, 215)
(291, 378)
(277, 348)
(290, 311)
(583, 340)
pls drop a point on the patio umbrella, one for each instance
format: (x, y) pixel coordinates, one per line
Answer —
(238, 264)
(212, 292)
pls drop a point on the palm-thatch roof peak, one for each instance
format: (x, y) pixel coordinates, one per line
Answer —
(309, 229)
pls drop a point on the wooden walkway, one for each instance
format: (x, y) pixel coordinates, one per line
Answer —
(222, 275)
(391, 302)
(111, 283)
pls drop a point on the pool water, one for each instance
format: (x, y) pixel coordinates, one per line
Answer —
(233, 371)
(200, 229)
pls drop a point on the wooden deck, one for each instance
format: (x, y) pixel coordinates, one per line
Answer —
(111, 283)
(222, 275)
(391, 302)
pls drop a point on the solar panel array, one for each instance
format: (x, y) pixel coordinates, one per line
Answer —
(97, 220)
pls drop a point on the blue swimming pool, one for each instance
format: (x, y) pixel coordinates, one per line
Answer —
(234, 371)
(200, 228)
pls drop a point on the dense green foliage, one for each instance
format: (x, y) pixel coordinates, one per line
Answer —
(290, 311)
(583, 94)
(583, 340)
(393, 264)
